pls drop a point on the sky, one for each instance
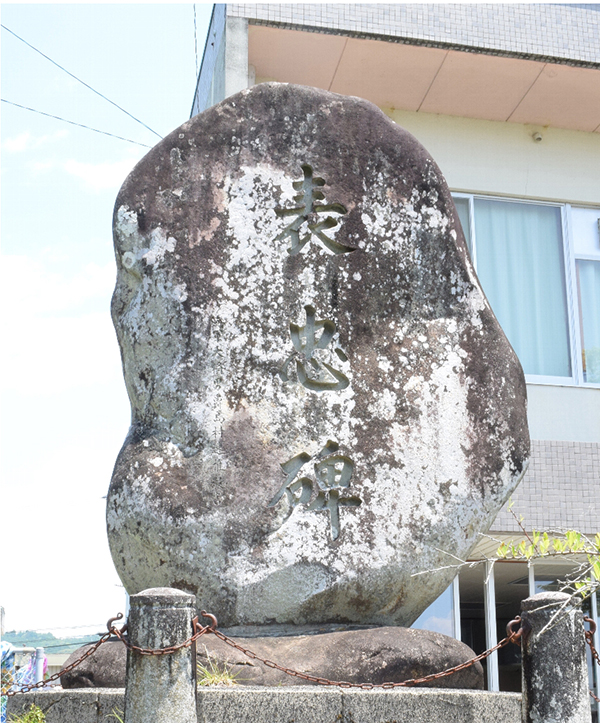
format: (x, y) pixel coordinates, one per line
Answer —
(65, 411)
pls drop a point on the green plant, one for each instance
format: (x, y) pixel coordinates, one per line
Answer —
(116, 713)
(33, 715)
(214, 673)
(581, 549)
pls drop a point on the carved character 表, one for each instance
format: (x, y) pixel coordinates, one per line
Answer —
(307, 212)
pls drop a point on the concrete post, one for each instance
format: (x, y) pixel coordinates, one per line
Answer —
(161, 688)
(554, 668)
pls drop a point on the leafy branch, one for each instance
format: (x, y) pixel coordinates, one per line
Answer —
(585, 577)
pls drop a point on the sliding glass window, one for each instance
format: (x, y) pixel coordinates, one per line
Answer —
(539, 265)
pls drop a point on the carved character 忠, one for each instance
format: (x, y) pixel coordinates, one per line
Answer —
(313, 374)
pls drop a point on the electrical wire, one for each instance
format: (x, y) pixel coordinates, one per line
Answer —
(89, 128)
(81, 81)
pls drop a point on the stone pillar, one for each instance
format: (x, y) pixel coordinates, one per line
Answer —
(554, 668)
(161, 688)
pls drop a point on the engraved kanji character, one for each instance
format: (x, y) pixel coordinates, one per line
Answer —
(332, 472)
(306, 212)
(313, 374)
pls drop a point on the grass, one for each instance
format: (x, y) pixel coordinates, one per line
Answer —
(214, 673)
(33, 715)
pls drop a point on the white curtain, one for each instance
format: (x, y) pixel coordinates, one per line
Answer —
(521, 268)
(588, 276)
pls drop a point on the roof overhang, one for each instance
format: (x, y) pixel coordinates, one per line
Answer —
(399, 75)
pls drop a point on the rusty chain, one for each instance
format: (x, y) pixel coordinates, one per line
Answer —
(56, 676)
(512, 636)
(589, 637)
(198, 629)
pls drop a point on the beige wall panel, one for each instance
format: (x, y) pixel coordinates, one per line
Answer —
(291, 56)
(568, 414)
(387, 74)
(503, 159)
(563, 96)
(480, 86)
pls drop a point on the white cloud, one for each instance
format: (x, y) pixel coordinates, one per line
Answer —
(437, 625)
(41, 166)
(68, 415)
(18, 143)
(55, 497)
(27, 142)
(101, 176)
(50, 355)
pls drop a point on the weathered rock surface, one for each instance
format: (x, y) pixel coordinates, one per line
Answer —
(104, 668)
(323, 403)
(379, 655)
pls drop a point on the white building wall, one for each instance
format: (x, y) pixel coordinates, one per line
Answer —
(503, 159)
(568, 414)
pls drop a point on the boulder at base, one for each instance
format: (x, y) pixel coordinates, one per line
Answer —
(323, 403)
(104, 668)
(381, 655)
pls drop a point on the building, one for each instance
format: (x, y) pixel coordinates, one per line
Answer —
(506, 98)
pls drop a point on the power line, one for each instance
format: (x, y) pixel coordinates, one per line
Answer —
(91, 639)
(89, 128)
(81, 81)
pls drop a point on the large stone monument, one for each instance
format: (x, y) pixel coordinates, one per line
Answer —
(323, 403)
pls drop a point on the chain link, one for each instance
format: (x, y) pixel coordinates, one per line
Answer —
(198, 629)
(512, 636)
(56, 676)
(589, 636)
(363, 686)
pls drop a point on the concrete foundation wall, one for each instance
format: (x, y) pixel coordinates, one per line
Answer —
(284, 705)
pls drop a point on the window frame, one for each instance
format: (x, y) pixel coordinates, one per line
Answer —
(570, 258)
(578, 256)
